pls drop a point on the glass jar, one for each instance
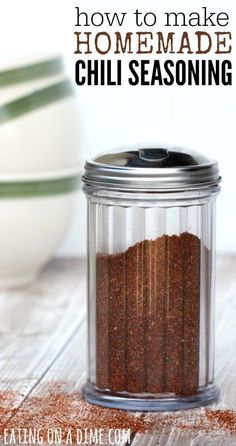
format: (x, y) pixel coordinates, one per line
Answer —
(151, 275)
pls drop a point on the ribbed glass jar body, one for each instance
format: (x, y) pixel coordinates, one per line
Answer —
(151, 260)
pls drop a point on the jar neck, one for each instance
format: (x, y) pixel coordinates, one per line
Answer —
(152, 199)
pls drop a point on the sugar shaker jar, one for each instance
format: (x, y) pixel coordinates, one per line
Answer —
(151, 274)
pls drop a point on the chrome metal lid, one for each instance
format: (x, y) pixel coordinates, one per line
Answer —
(151, 169)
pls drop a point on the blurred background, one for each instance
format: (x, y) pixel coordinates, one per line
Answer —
(201, 118)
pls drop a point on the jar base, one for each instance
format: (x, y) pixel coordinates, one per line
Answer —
(203, 397)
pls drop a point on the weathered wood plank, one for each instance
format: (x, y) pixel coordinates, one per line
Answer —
(37, 322)
(68, 374)
(172, 436)
(69, 369)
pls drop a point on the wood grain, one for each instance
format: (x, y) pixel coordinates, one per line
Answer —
(36, 324)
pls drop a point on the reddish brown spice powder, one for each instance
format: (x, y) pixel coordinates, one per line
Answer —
(57, 410)
(225, 419)
(147, 317)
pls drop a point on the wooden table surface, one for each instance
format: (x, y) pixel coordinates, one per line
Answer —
(42, 340)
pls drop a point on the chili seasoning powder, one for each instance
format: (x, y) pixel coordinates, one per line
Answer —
(148, 316)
